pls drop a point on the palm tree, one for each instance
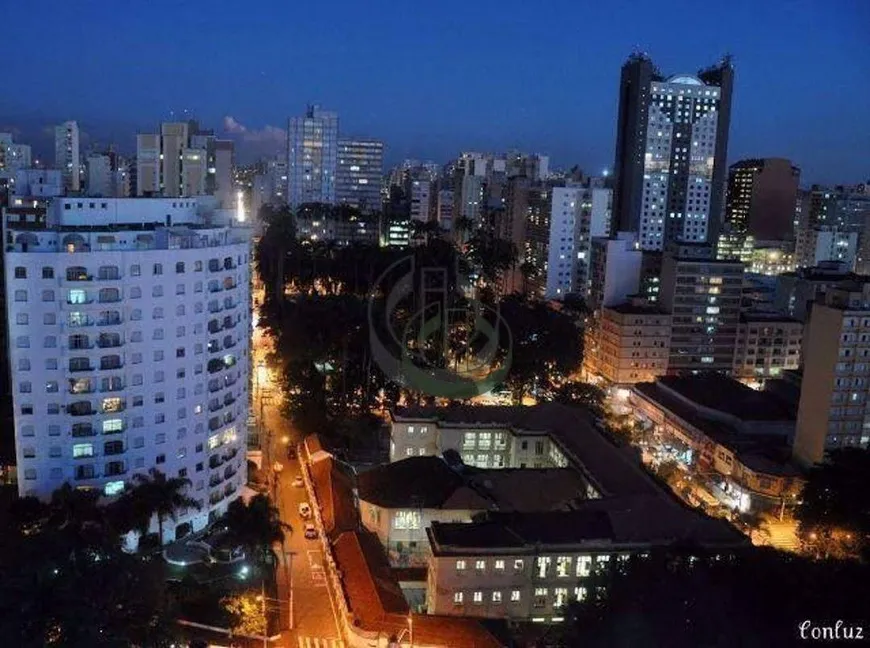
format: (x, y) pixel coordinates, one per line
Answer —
(161, 496)
(256, 525)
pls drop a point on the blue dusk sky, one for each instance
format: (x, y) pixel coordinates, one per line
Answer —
(432, 79)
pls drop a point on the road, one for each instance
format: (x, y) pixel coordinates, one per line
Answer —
(314, 622)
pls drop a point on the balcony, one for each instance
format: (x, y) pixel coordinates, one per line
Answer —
(215, 461)
(109, 321)
(216, 498)
(214, 423)
(109, 363)
(81, 409)
(115, 469)
(232, 454)
(109, 342)
(82, 430)
(85, 472)
(215, 480)
(113, 448)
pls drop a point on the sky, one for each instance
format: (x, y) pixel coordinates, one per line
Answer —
(436, 78)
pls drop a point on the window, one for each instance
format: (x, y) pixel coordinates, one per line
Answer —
(496, 597)
(179, 267)
(457, 598)
(480, 565)
(542, 565)
(460, 565)
(157, 291)
(135, 270)
(158, 313)
(584, 566)
(21, 318)
(83, 450)
(23, 364)
(499, 565)
(406, 520)
(20, 272)
(563, 565)
(22, 342)
(515, 596)
(160, 459)
(135, 292)
(158, 269)
(21, 295)
(47, 272)
(48, 295)
(49, 318)
(540, 597)
(197, 266)
(518, 565)
(478, 597)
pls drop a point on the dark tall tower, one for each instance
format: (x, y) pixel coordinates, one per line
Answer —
(762, 194)
(671, 146)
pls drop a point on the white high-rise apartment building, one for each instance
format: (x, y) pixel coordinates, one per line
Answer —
(578, 214)
(312, 155)
(419, 192)
(129, 327)
(66, 154)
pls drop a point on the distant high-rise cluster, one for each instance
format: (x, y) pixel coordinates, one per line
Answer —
(183, 160)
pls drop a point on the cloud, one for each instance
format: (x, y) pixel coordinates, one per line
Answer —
(267, 134)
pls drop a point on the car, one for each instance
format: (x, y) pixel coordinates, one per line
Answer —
(310, 532)
(298, 482)
(304, 510)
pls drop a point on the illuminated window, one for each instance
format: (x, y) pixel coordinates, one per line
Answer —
(457, 598)
(406, 520)
(460, 565)
(83, 450)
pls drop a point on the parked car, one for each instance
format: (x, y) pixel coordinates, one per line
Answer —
(304, 510)
(310, 532)
(297, 482)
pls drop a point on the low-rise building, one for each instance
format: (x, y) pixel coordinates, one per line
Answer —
(719, 425)
(400, 500)
(530, 565)
(767, 345)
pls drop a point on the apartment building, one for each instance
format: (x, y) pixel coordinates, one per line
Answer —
(834, 410)
(632, 343)
(129, 327)
(767, 345)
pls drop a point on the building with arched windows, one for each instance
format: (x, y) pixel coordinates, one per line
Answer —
(129, 328)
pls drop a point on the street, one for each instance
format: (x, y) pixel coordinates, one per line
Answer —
(301, 562)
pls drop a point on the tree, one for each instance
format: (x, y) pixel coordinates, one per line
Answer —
(64, 580)
(580, 393)
(247, 614)
(687, 597)
(544, 346)
(834, 508)
(256, 525)
(161, 496)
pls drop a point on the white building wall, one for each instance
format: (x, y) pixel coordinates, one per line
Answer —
(162, 361)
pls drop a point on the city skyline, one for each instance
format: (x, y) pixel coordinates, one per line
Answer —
(459, 91)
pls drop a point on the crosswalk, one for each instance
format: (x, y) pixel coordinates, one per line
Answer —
(319, 642)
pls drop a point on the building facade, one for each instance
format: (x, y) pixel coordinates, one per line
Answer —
(359, 172)
(703, 295)
(672, 142)
(761, 199)
(312, 157)
(129, 323)
(767, 345)
(578, 213)
(632, 343)
(819, 244)
(66, 154)
(834, 410)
